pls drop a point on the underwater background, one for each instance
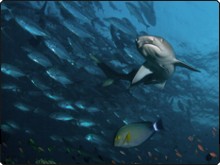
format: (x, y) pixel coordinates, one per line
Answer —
(59, 106)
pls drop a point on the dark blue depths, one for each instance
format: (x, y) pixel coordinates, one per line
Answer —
(59, 106)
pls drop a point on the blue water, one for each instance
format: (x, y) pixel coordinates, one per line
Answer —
(64, 108)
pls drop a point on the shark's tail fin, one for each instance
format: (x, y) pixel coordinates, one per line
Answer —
(182, 64)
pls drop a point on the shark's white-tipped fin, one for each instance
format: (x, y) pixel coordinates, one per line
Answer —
(160, 85)
(141, 73)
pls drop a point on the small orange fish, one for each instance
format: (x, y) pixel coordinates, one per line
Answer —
(21, 150)
(113, 162)
(40, 149)
(213, 133)
(139, 157)
(179, 154)
(190, 138)
(200, 147)
(196, 151)
(213, 154)
(122, 152)
(214, 129)
(123, 162)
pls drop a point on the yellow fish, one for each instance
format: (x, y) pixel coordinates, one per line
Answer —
(134, 134)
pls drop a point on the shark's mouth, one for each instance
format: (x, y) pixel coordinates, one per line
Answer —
(151, 46)
(147, 43)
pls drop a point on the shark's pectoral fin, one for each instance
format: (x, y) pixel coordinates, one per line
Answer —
(141, 73)
(182, 64)
(160, 85)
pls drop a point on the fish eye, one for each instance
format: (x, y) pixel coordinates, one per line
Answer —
(118, 138)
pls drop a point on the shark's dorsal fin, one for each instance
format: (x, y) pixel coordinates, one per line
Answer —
(182, 64)
(141, 73)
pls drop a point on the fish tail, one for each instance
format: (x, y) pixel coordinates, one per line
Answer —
(158, 125)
